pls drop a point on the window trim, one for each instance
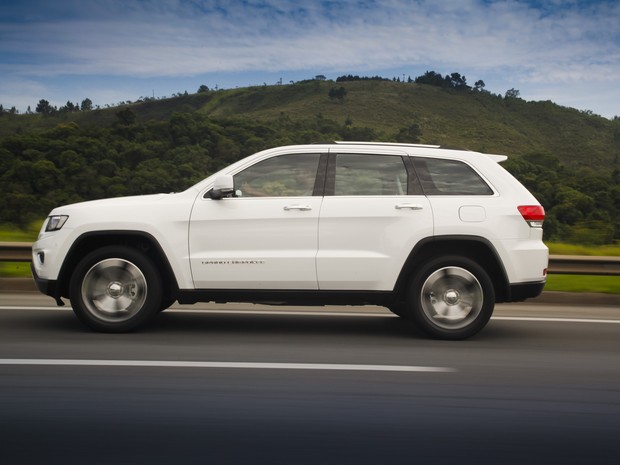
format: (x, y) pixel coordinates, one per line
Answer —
(321, 176)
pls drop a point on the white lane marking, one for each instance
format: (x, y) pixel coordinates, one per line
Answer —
(242, 365)
(8, 307)
(328, 313)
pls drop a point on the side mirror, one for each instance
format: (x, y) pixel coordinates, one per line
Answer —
(222, 187)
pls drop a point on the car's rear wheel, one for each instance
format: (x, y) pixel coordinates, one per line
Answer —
(115, 289)
(451, 297)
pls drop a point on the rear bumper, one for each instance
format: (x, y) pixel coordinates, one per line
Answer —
(522, 291)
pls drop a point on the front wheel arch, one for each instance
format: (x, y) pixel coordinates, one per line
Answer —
(138, 240)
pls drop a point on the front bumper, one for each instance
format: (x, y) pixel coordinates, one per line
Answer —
(46, 286)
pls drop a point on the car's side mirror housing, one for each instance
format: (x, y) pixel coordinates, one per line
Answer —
(222, 187)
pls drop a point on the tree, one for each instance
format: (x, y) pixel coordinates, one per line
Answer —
(87, 105)
(456, 81)
(337, 93)
(126, 117)
(45, 108)
(512, 93)
(202, 89)
(69, 107)
(410, 134)
(431, 78)
(479, 85)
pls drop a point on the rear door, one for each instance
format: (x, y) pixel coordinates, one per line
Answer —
(372, 216)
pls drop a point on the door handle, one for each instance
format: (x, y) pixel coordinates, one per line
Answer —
(298, 207)
(410, 206)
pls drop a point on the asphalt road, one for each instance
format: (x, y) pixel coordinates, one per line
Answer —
(242, 384)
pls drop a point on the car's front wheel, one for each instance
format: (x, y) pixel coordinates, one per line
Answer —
(115, 289)
(451, 297)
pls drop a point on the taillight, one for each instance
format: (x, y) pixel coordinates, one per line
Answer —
(533, 214)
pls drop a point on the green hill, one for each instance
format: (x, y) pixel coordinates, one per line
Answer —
(472, 120)
(467, 119)
(568, 158)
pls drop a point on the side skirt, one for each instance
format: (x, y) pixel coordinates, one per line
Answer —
(279, 297)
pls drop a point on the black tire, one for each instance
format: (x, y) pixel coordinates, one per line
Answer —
(451, 297)
(115, 289)
(166, 302)
(401, 309)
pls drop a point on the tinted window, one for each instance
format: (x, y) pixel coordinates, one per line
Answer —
(449, 177)
(284, 176)
(370, 175)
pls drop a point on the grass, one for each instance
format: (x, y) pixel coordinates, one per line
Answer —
(14, 270)
(612, 250)
(12, 234)
(583, 283)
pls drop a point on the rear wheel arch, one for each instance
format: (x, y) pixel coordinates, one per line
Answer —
(477, 249)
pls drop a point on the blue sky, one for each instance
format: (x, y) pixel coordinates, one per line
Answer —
(566, 51)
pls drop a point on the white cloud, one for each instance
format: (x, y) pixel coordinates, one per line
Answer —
(18, 93)
(563, 43)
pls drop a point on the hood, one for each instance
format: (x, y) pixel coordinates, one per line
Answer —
(135, 200)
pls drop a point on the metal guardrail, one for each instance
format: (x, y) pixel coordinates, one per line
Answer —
(558, 264)
(15, 252)
(585, 265)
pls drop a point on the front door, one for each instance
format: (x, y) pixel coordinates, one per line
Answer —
(263, 237)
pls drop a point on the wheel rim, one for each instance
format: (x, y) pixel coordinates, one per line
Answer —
(114, 290)
(452, 298)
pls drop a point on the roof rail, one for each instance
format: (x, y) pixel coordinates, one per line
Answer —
(396, 144)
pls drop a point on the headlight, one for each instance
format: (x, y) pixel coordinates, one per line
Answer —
(56, 222)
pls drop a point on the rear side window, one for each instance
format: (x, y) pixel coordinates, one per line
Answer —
(370, 175)
(449, 177)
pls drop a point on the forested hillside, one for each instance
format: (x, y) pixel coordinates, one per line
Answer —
(568, 158)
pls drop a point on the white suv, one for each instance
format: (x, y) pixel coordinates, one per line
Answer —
(436, 235)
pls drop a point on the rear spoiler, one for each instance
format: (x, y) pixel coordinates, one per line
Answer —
(497, 158)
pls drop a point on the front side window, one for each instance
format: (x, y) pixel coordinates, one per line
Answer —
(370, 175)
(283, 176)
(449, 177)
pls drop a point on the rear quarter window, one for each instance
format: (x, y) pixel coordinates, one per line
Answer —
(449, 177)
